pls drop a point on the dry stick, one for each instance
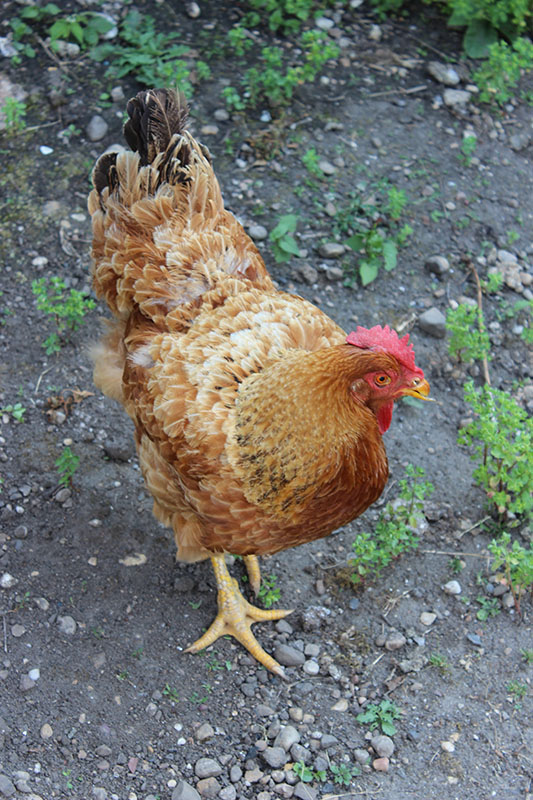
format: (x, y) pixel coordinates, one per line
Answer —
(452, 553)
(480, 306)
(412, 90)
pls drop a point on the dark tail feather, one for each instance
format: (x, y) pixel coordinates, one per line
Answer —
(155, 116)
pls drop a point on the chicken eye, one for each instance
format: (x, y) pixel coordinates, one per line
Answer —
(382, 379)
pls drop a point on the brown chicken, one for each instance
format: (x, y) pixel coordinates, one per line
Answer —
(258, 421)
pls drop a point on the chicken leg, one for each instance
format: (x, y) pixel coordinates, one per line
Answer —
(236, 616)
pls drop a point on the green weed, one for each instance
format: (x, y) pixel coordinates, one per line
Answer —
(394, 532)
(269, 592)
(343, 773)
(284, 245)
(490, 607)
(68, 307)
(527, 655)
(499, 75)
(66, 465)
(14, 112)
(16, 410)
(516, 562)
(468, 336)
(171, 692)
(381, 716)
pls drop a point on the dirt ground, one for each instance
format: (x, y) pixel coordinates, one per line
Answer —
(97, 698)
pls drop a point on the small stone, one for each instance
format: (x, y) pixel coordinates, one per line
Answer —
(340, 705)
(67, 625)
(258, 232)
(308, 273)
(18, 630)
(474, 639)
(383, 745)
(99, 793)
(331, 250)
(204, 732)
(46, 731)
(7, 787)
(433, 322)
(305, 792)
(253, 775)
(117, 94)
(7, 581)
(361, 756)
(375, 33)
(438, 265)
(381, 764)
(184, 791)
(192, 8)
(456, 97)
(287, 737)
(448, 747)
(327, 167)
(427, 617)
(221, 115)
(311, 667)
(443, 73)
(395, 640)
(288, 656)
(327, 741)
(508, 600)
(97, 128)
(209, 130)
(208, 787)
(228, 793)
(34, 674)
(324, 23)
(452, 587)
(235, 773)
(26, 683)
(275, 757)
(207, 768)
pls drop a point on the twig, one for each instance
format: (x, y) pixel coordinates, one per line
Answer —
(44, 125)
(412, 90)
(480, 306)
(452, 553)
(50, 53)
(41, 376)
(5, 633)
(475, 525)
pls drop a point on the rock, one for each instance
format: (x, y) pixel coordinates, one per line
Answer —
(474, 639)
(18, 630)
(428, 617)
(46, 731)
(395, 640)
(117, 94)
(275, 757)
(383, 745)
(258, 232)
(288, 656)
(305, 792)
(381, 764)
(26, 683)
(192, 8)
(221, 115)
(184, 791)
(448, 747)
(327, 741)
(311, 667)
(452, 587)
(433, 322)
(340, 705)
(331, 250)
(7, 581)
(204, 732)
(443, 73)
(287, 737)
(207, 768)
(235, 773)
(66, 49)
(99, 793)
(7, 787)
(327, 167)
(324, 23)
(253, 775)
(314, 617)
(97, 128)
(209, 130)
(438, 265)
(455, 98)
(361, 756)
(308, 273)
(519, 141)
(67, 625)
(208, 787)
(228, 793)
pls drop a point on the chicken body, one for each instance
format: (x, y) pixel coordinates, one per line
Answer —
(256, 426)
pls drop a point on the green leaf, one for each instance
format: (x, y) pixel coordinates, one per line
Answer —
(77, 32)
(355, 242)
(59, 29)
(390, 254)
(478, 38)
(459, 18)
(289, 245)
(368, 271)
(388, 728)
(287, 224)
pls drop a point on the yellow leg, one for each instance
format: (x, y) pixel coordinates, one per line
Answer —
(236, 616)
(254, 573)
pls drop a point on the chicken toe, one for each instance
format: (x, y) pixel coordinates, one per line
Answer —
(254, 573)
(236, 616)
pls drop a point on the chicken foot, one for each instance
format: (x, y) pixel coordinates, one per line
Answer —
(254, 573)
(236, 616)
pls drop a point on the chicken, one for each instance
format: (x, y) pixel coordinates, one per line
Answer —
(258, 422)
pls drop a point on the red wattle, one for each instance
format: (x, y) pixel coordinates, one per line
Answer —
(384, 417)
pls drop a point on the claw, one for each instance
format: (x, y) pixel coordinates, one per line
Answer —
(236, 616)
(254, 573)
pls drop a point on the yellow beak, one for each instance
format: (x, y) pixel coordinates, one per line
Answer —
(419, 389)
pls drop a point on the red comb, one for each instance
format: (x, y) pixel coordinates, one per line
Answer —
(385, 339)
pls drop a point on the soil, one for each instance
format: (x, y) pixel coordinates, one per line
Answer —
(96, 602)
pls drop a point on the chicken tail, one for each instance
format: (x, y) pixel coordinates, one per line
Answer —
(162, 238)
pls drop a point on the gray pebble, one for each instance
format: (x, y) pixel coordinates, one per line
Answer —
(18, 630)
(288, 656)
(452, 587)
(97, 128)
(305, 792)
(331, 250)
(456, 97)
(287, 737)
(228, 793)
(99, 793)
(327, 741)
(312, 650)
(327, 167)
(117, 94)
(221, 115)
(204, 732)
(395, 640)
(311, 667)
(308, 273)
(473, 638)
(443, 73)
(438, 265)
(433, 322)
(275, 757)
(383, 745)
(235, 773)
(184, 791)
(362, 756)
(508, 600)
(258, 232)
(26, 683)
(7, 788)
(66, 625)
(207, 768)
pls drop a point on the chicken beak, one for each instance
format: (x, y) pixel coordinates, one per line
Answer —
(418, 389)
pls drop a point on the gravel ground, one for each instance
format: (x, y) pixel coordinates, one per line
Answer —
(98, 699)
